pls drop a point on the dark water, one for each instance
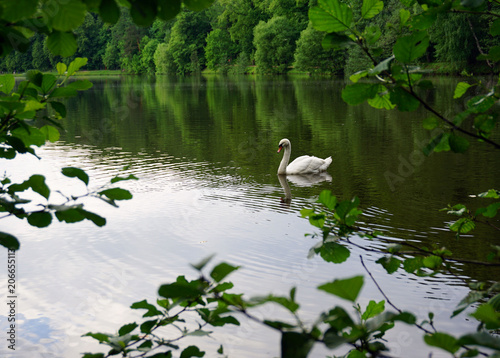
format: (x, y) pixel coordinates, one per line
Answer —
(205, 152)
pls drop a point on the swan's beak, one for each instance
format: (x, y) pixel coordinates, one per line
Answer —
(280, 148)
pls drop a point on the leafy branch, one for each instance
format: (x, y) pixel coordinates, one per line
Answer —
(22, 108)
(398, 75)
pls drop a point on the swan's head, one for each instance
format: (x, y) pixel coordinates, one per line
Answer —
(283, 143)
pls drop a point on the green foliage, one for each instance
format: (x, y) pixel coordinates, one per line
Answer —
(310, 55)
(397, 80)
(58, 22)
(38, 99)
(275, 44)
(185, 49)
(220, 50)
(363, 332)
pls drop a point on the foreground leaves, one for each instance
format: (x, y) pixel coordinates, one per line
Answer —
(20, 107)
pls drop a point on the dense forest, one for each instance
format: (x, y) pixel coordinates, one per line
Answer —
(229, 36)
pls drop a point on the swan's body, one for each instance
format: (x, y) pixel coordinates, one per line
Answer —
(302, 165)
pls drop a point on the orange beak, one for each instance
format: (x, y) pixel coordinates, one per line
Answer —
(280, 148)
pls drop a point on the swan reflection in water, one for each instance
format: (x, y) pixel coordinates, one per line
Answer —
(300, 180)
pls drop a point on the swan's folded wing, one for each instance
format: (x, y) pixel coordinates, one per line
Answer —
(308, 164)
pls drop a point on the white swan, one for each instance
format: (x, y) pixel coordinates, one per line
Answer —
(302, 165)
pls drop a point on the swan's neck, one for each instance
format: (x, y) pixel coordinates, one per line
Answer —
(285, 159)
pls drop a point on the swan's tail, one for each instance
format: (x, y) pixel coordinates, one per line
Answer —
(326, 164)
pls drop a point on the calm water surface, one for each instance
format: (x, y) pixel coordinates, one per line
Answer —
(205, 152)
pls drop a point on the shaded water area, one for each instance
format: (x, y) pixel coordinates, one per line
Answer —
(205, 152)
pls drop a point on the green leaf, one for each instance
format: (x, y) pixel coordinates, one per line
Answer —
(472, 297)
(62, 43)
(126, 329)
(404, 16)
(486, 314)
(495, 27)
(458, 144)
(109, 11)
(371, 8)
(492, 193)
(432, 262)
(40, 219)
(346, 288)
(116, 194)
(9, 241)
(481, 104)
(61, 68)
(118, 178)
(409, 48)
(485, 123)
(443, 341)
(143, 12)
(96, 219)
(51, 134)
(327, 199)
(355, 77)
(460, 90)
(71, 215)
(151, 309)
(430, 123)
(334, 41)
(332, 339)
(168, 9)
(101, 337)
(48, 82)
(63, 92)
(424, 20)
(37, 184)
(382, 99)
(331, 16)
(75, 65)
(93, 355)
(72, 172)
(437, 144)
(493, 54)
(181, 289)
(220, 271)
(199, 333)
(372, 34)
(390, 263)
(7, 83)
(373, 309)
(411, 265)
(14, 10)
(68, 16)
(483, 339)
(282, 301)
(192, 351)
(147, 326)
(404, 100)
(80, 85)
(198, 5)
(296, 345)
(333, 252)
(29, 136)
(359, 92)
(59, 108)
(491, 210)
(463, 226)
(200, 265)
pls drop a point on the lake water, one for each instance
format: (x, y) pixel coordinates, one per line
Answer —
(205, 152)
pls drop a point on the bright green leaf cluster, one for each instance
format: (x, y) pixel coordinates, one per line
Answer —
(19, 20)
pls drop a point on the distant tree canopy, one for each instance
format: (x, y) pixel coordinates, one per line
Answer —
(272, 34)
